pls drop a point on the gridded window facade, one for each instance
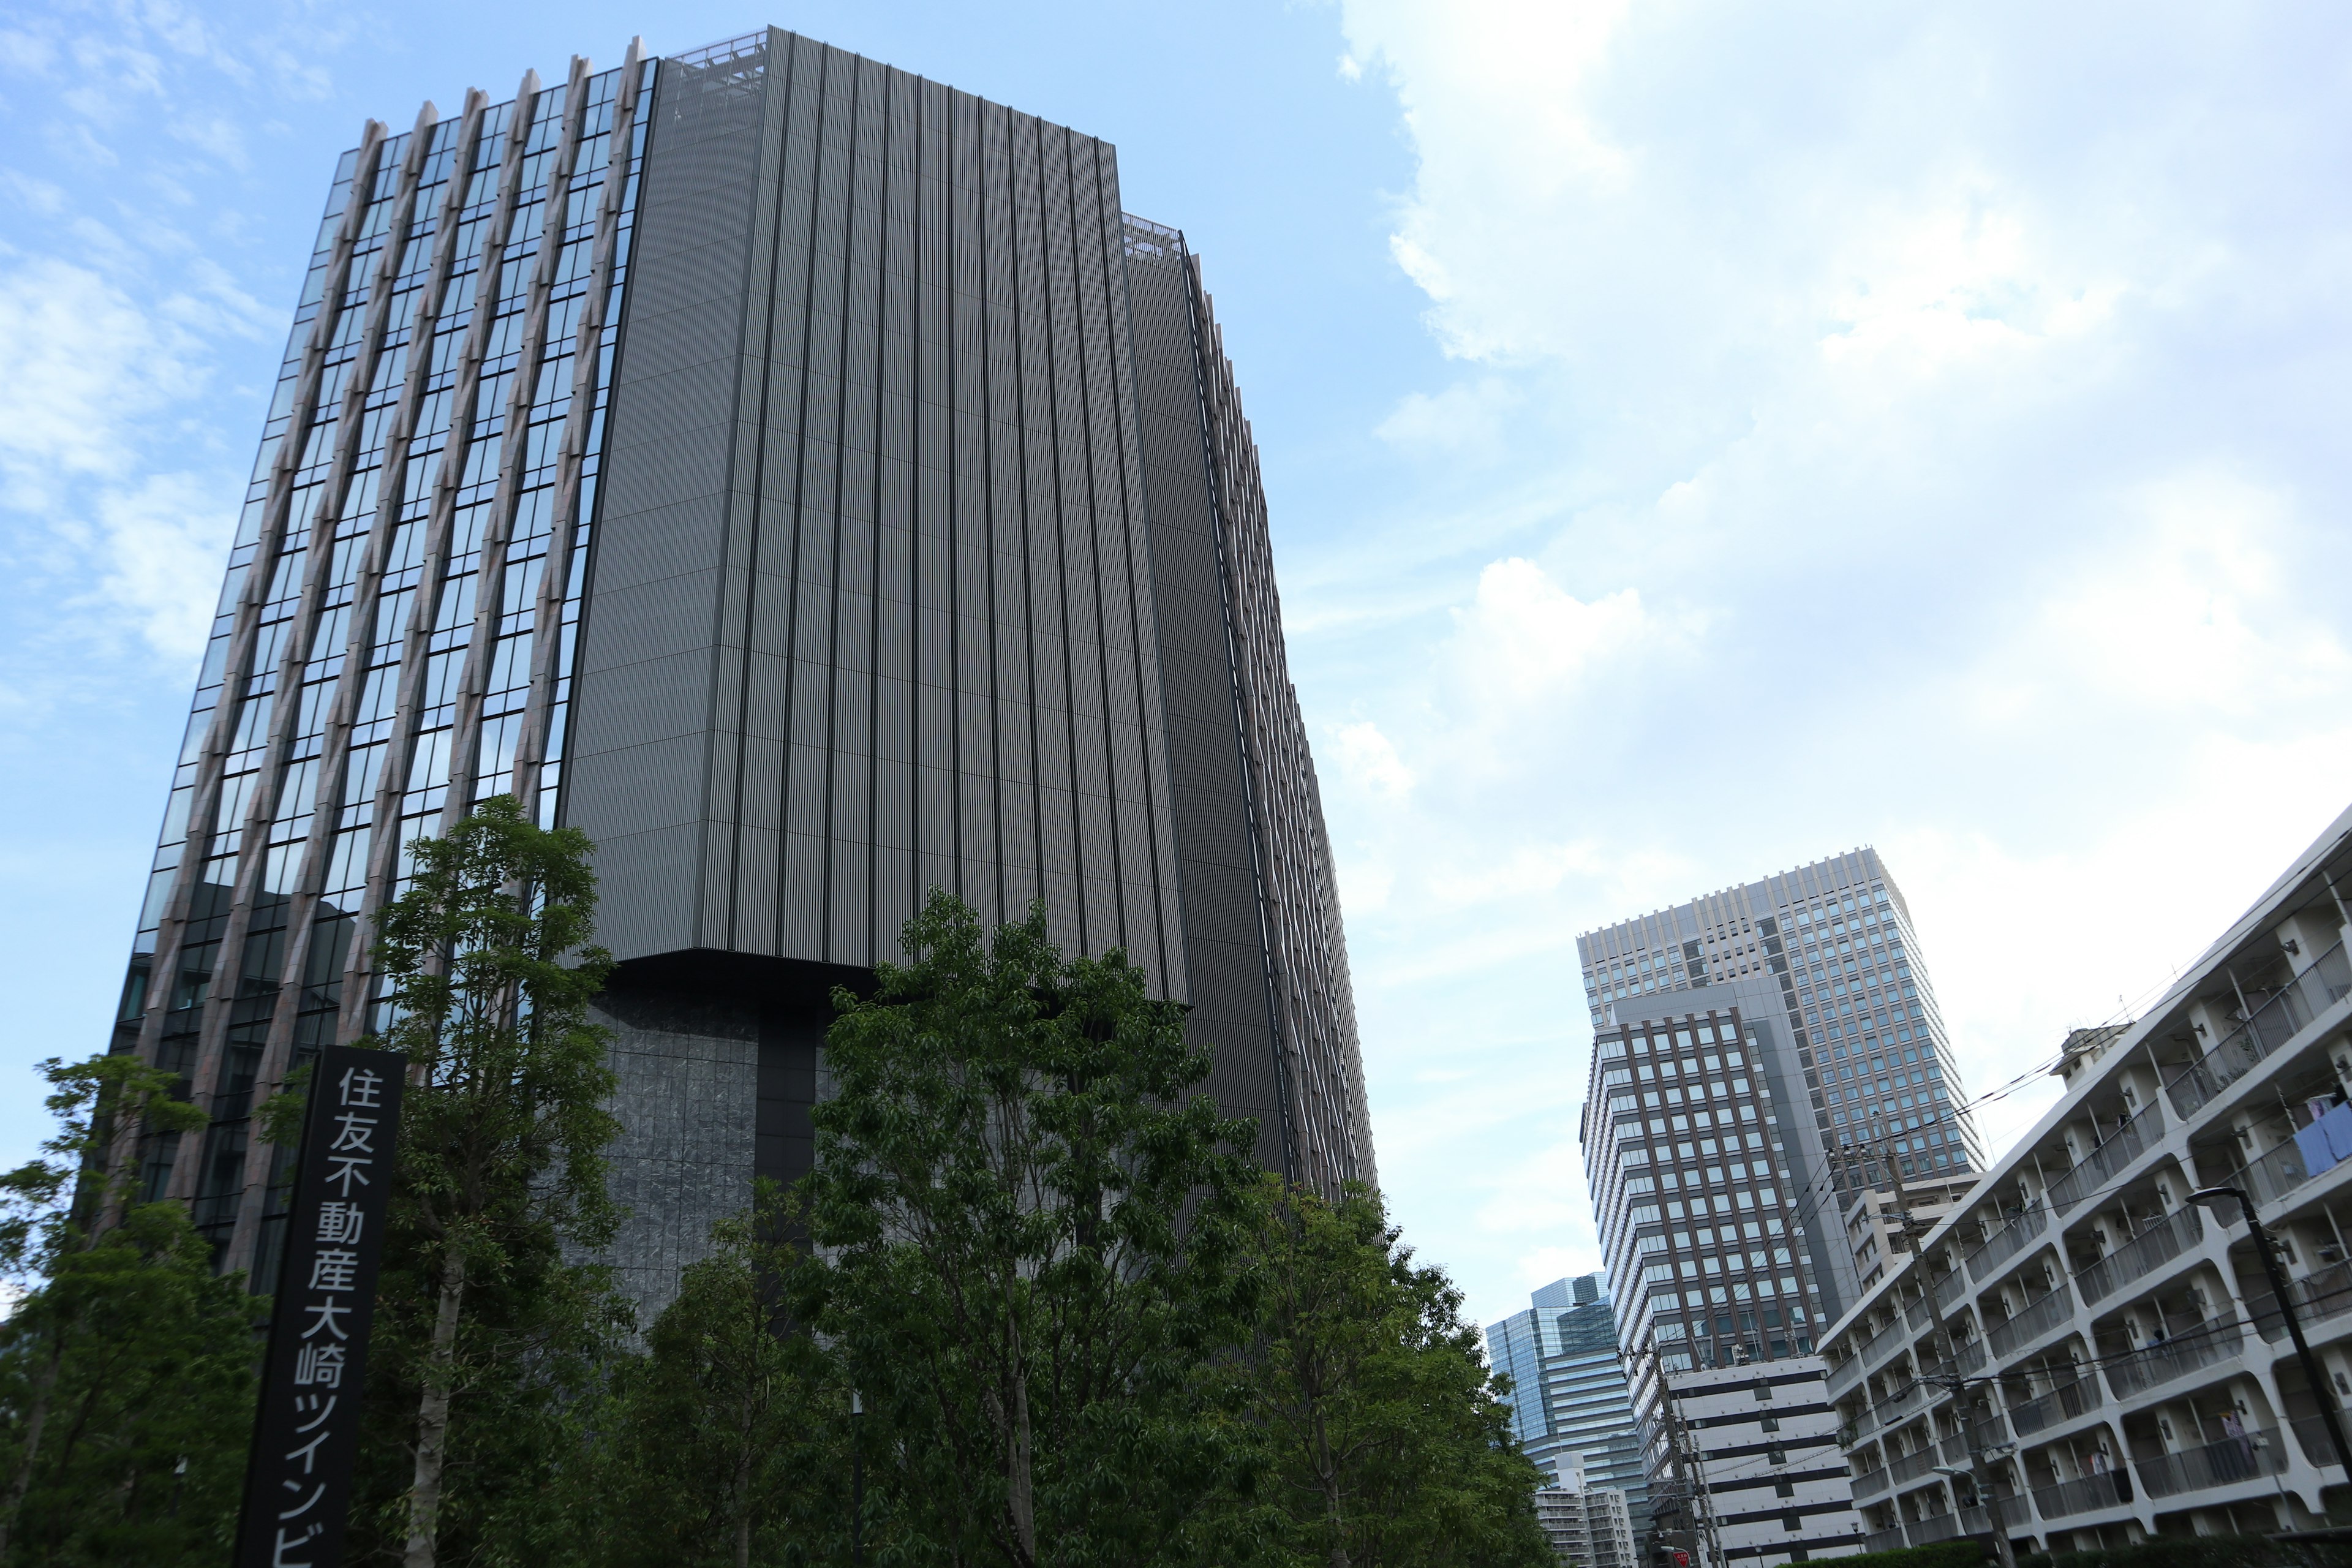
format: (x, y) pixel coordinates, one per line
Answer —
(396, 632)
(803, 478)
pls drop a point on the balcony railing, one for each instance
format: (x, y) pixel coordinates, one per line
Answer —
(1934, 1527)
(1882, 1344)
(2273, 1175)
(2311, 1433)
(2006, 1243)
(2108, 1159)
(2082, 1495)
(2174, 1358)
(2013, 1513)
(2059, 1405)
(2278, 1020)
(1911, 1465)
(1901, 1403)
(1950, 1289)
(1870, 1483)
(1889, 1539)
(2158, 1244)
(2323, 1294)
(1966, 1358)
(2038, 1319)
(2220, 1464)
(1844, 1375)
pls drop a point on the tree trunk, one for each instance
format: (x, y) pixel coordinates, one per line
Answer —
(1018, 1503)
(36, 1416)
(433, 1413)
(743, 1489)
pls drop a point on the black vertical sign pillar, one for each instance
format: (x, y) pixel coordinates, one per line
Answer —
(297, 1482)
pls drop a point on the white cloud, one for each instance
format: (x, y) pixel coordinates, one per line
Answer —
(162, 544)
(1915, 429)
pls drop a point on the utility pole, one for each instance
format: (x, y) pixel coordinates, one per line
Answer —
(2267, 1247)
(1979, 1471)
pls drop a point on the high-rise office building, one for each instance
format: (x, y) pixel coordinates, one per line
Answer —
(1570, 1406)
(1763, 1057)
(804, 478)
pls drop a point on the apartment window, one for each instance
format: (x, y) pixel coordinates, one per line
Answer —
(1784, 1487)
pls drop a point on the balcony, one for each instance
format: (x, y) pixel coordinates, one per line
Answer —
(2006, 1243)
(1881, 1346)
(2273, 1175)
(2058, 1404)
(1844, 1374)
(1883, 1539)
(2278, 1020)
(1969, 1356)
(1870, 1483)
(2325, 1293)
(2108, 1158)
(2220, 1464)
(2158, 1244)
(2013, 1513)
(2311, 1433)
(2038, 1319)
(2082, 1495)
(1910, 1467)
(2175, 1358)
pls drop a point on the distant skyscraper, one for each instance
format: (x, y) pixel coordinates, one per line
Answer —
(1751, 1047)
(804, 478)
(1570, 1406)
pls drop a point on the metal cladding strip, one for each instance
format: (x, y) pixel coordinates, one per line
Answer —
(398, 789)
(400, 455)
(333, 756)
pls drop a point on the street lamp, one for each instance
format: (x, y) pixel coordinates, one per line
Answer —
(2267, 1249)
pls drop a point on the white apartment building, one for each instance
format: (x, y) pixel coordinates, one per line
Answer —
(2121, 1366)
(1755, 1474)
(1588, 1527)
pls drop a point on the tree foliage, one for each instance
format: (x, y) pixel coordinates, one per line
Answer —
(1022, 1224)
(726, 1442)
(126, 1388)
(486, 1323)
(1381, 1437)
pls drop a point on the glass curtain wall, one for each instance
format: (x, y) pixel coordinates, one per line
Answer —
(394, 640)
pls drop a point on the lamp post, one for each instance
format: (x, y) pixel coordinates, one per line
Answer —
(2268, 1250)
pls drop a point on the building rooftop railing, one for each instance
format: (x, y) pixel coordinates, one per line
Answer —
(2274, 1021)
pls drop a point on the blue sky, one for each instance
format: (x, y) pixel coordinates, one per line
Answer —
(1699, 438)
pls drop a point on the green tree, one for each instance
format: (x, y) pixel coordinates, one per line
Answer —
(726, 1442)
(1381, 1437)
(126, 1386)
(1020, 1219)
(486, 1328)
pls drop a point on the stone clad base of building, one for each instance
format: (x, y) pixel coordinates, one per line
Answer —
(717, 1057)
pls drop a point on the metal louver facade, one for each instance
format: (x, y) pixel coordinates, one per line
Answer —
(803, 478)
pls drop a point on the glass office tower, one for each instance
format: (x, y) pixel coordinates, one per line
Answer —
(804, 478)
(1569, 1407)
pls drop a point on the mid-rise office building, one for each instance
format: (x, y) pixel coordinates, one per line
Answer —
(1588, 1526)
(1755, 1472)
(2129, 1369)
(1763, 1057)
(805, 478)
(1571, 1409)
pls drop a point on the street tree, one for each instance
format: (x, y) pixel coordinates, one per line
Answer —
(488, 1321)
(1020, 1212)
(126, 1384)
